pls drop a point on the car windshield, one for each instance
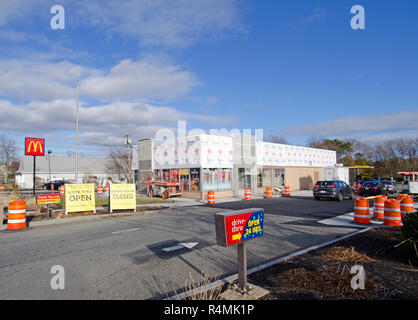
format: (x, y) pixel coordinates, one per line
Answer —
(324, 183)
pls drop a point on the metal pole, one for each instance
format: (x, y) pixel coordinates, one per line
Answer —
(34, 178)
(49, 165)
(242, 266)
(76, 135)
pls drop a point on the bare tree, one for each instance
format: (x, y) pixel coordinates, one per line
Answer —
(120, 164)
(277, 139)
(8, 156)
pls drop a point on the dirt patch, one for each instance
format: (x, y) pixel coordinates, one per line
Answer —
(42, 215)
(325, 273)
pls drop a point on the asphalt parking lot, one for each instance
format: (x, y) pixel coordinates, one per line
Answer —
(139, 256)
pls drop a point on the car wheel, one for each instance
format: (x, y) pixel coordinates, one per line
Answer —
(164, 195)
(351, 195)
(340, 197)
(317, 198)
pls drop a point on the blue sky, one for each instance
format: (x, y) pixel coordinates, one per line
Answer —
(292, 68)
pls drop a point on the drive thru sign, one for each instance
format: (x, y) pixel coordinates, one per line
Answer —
(236, 227)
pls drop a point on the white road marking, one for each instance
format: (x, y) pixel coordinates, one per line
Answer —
(188, 245)
(125, 231)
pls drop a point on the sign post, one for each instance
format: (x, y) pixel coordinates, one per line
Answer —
(237, 227)
(34, 147)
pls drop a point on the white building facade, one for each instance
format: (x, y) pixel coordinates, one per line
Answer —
(228, 165)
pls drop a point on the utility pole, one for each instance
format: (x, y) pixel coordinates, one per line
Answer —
(49, 164)
(129, 144)
(76, 134)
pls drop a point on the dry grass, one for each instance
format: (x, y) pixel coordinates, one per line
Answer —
(325, 281)
(200, 289)
(343, 254)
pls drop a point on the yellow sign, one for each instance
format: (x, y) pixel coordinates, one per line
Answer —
(79, 197)
(184, 172)
(122, 196)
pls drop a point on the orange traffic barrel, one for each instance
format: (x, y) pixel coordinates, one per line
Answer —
(269, 192)
(16, 218)
(356, 188)
(407, 206)
(392, 216)
(286, 191)
(211, 197)
(99, 189)
(247, 194)
(402, 196)
(379, 207)
(62, 189)
(361, 210)
(107, 188)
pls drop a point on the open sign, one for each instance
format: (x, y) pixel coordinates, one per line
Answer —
(237, 226)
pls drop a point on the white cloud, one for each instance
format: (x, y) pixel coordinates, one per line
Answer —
(107, 122)
(144, 80)
(165, 23)
(317, 14)
(162, 22)
(401, 121)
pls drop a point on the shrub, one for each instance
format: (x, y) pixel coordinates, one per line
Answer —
(410, 237)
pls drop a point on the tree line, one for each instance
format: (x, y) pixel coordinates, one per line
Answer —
(387, 157)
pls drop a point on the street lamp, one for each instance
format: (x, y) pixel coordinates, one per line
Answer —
(49, 165)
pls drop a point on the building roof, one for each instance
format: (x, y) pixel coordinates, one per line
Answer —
(64, 165)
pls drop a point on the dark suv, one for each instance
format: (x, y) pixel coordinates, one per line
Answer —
(372, 188)
(57, 184)
(335, 189)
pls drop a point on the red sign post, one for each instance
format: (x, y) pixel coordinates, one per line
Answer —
(236, 227)
(34, 147)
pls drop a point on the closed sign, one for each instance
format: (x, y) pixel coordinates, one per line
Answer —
(122, 196)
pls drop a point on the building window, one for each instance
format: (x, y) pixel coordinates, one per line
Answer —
(195, 179)
(224, 179)
(210, 179)
(217, 179)
(278, 177)
(244, 178)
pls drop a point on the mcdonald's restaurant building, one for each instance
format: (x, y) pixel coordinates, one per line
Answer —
(229, 165)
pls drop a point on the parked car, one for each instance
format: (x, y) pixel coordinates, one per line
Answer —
(390, 187)
(372, 188)
(57, 184)
(334, 189)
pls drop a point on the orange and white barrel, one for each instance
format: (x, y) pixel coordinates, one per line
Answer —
(62, 189)
(379, 207)
(407, 206)
(269, 192)
(211, 197)
(361, 211)
(286, 191)
(247, 194)
(402, 196)
(392, 215)
(356, 188)
(99, 189)
(16, 218)
(107, 188)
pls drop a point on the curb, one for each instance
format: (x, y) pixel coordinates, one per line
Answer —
(77, 219)
(234, 277)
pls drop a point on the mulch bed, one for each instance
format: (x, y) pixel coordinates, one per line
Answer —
(324, 273)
